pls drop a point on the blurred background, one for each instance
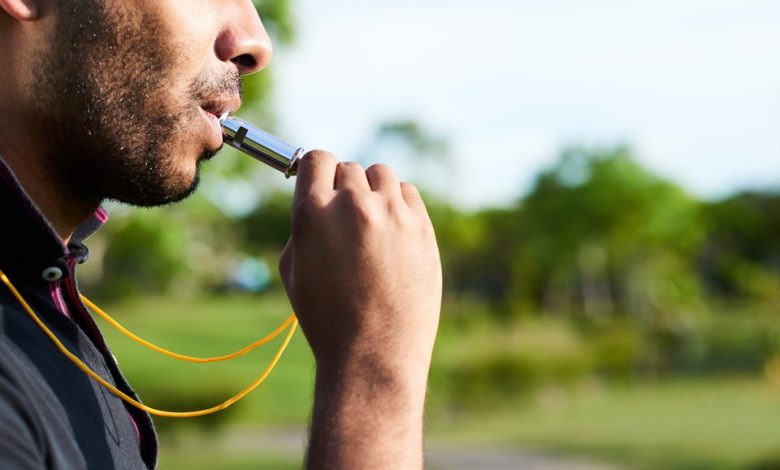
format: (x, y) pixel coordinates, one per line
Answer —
(604, 179)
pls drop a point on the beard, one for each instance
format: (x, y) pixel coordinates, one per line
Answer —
(106, 110)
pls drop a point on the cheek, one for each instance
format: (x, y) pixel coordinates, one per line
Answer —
(192, 27)
(187, 143)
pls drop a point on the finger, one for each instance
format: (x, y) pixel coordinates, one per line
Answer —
(350, 175)
(383, 179)
(316, 172)
(412, 197)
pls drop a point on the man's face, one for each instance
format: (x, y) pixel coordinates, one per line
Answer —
(129, 91)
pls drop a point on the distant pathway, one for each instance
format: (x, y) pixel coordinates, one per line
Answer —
(438, 456)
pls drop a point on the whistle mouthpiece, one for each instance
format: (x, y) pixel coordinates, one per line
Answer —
(260, 145)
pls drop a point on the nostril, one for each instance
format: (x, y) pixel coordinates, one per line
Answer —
(243, 41)
(245, 62)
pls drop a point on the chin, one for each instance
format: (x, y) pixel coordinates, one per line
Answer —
(189, 167)
(163, 196)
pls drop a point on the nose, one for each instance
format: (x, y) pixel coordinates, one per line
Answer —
(243, 39)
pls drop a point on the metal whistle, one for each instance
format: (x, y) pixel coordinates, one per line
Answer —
(260, 145)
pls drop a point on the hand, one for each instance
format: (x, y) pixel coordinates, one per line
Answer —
(362, 267)
(363, 274)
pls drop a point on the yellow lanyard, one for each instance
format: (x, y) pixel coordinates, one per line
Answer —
(292, 322)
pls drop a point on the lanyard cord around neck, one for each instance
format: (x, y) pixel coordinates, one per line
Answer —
(292, 322)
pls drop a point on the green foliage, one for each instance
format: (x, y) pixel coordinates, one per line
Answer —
(142, 258)
(742, 256)
(463, 239)
(480, 362)
(268, 226)
(597, 236)
(603, 236)
(619, 351)
(740, 342)
(182, 249)
(509, 364)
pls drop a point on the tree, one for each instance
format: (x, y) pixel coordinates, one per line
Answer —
(610, 236)
(741, 260)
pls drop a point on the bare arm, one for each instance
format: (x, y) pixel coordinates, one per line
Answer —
(363, 273)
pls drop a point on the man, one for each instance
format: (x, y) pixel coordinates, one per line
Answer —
(117, 99)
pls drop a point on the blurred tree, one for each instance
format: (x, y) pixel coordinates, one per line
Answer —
(475, 250)
(597, 235)
(742, 256)
(605, 236)
(267, 228)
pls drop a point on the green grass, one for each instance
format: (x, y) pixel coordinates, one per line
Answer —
(683, 423)
(177, 459)
(210, 327)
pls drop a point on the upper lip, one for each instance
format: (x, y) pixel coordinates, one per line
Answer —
(222, 105)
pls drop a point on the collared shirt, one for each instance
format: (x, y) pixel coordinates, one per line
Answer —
(52, 415)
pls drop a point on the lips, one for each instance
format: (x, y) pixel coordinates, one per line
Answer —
(214, 135)
(211, 111)
(220, 105)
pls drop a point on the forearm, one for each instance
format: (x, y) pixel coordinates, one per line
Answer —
(368, 414)
(363, 273)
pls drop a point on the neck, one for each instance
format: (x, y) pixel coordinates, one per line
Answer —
(63, 210)
(24, 146)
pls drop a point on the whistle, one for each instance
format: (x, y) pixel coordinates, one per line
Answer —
(260, 145)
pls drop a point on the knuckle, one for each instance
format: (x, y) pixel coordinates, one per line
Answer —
(351, 166)
(417, 222)
(356, 203)
(351, 198)
(408, 187)
(381, 169)
(396, 207)
(316, 201)
(308, 208)
(316, 159)
(319, 156)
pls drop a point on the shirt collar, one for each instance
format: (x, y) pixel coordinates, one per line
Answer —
(28, 243)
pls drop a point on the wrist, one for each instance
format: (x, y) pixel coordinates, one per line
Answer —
(371, 376)
(367, 413)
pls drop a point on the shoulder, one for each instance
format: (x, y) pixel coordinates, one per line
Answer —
(32, 431)
(20, 437)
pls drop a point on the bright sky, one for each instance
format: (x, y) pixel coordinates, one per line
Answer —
(692, 85)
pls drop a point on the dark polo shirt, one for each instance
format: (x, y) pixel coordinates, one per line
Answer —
(52, 415)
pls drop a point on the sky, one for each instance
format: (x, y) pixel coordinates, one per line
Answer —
(693, 86)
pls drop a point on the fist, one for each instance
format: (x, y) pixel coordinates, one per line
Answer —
(362, 267)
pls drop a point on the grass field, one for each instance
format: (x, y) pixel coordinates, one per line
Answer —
(210, 327)
(685, 423)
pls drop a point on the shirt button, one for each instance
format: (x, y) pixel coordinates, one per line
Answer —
(52, 274)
